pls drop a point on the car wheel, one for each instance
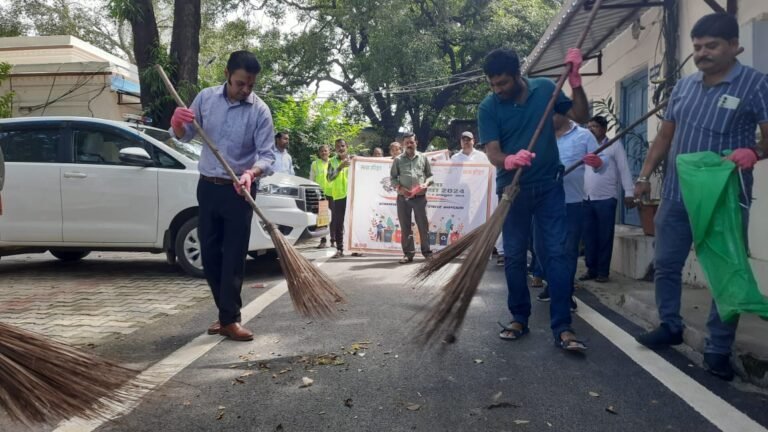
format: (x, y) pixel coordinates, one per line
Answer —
(69, 256)
(187, 249)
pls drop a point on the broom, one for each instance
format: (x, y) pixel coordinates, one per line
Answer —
(312, 292)
(448, 254)
(446, 317)
(45, 381)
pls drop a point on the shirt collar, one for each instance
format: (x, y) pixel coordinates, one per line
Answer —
(251, 99)
(573, 128)
(732, 74)
(532, 85)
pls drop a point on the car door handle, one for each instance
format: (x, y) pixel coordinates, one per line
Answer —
(74, 174)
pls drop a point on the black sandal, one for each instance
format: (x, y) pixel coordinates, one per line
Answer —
(572, 345)
(512, 334)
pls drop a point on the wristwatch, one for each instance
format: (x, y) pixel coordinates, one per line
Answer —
(642, 179)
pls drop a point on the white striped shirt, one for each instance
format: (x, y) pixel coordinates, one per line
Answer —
(717, 118)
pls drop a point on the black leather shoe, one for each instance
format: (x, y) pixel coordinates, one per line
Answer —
(719, 365)
(661, 337)
(587, 276)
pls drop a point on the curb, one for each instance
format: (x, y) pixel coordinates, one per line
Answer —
(748, 366)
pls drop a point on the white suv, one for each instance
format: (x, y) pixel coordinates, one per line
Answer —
(76, 184)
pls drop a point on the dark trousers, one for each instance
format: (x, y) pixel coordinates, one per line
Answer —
(330, 228)
(545, 203)
(224, 228)
(599, 225)
(417, 206)
(337, 230)
(574, 222)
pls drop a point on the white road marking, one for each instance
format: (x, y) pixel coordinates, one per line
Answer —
(719, 412)
(165, 369)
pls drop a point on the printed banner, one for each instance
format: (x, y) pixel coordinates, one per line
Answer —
(457, 202)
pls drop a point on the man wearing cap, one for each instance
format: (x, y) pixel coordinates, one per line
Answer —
(468, 153)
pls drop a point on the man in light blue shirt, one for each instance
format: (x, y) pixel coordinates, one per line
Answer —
(574, 143)
(240, 125)
(283, 160)
(716, 109)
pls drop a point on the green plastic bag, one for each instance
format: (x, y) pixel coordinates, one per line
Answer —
(710, 189)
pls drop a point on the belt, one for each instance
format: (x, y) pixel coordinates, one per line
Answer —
(216, 180)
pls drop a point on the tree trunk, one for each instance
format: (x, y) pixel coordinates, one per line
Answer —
(146, 42)
(185, 46)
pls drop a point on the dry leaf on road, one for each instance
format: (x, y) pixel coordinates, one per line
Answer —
(413, 407)
(348, 403)
(519, 422)
(306, 382)
(503, 405)
(594, 394)
(611, 409)
(478, 361)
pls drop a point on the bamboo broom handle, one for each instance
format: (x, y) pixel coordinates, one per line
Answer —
(209, 142)
(509, 191)
(620, 135)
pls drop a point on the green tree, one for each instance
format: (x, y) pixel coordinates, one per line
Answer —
(311, 123)
(6, 100)
(180, 60)
(376, 50)
(67, 17)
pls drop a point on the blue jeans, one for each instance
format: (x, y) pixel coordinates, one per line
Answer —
(599, 225)
(546, 203)
(574, 214)
(673, 243)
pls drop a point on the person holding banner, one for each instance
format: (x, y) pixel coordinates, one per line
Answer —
(411, 175)
(395, 149)
(468, 153)
(507, 120)
(338, 169)
(318, 174)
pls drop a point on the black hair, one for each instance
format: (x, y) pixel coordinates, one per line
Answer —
(280, 134)
(600, 120)
(408, 135)
(244, 60)
(717, 25)
(502, 61)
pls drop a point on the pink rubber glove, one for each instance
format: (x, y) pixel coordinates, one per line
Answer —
(182, 116)
(520, 159)
(592, 160)
(744, 158)
(574, 58)
(246, 179)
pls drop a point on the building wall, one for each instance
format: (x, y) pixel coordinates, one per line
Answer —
(84, 95)
(626, 55)
(62, 75)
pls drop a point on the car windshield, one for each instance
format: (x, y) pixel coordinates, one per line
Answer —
(189, 149)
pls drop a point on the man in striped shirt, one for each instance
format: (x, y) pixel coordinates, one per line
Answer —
(716, 109)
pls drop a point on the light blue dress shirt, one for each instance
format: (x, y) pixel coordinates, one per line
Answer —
(283, 162)
(573, 146)
(242, 131)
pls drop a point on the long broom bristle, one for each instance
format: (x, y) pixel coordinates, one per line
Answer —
(45, 381)
(444, 257)
(312, 292)
(446, 316)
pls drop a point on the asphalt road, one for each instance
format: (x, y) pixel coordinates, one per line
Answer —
(368, 375)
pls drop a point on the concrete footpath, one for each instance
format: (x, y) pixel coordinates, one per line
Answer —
(635, 300)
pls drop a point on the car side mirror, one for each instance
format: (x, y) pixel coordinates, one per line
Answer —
(136, 156)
